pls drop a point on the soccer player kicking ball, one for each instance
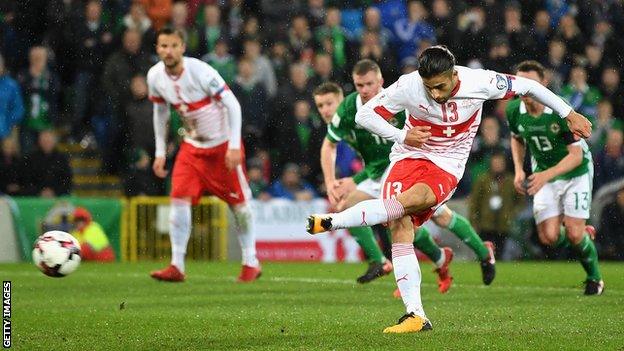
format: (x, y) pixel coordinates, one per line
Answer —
(375, 152)
(561, 183)
(210, 158)
(444, 103)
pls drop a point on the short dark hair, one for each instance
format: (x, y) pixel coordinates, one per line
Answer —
(531, 65)
(435, 60)
(364, 66)
(328, 88)
(171, 31)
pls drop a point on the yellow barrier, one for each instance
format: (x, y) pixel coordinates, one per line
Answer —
(147, 234)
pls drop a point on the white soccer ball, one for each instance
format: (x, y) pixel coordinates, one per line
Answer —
(56, 253)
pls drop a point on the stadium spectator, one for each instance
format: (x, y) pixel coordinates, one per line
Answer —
(257, 182)
(372, 23)
(140, 179)
(473, 35)
(316, 12)
(211, 29)
(594, 67)
(41, 87)
(264, 70)
(487, 144)
(49, 173)
(494, 203)
(613, 90)
(138, 114)
(412, 30)
(521, 44)
(11, 170)
(250, 31)
(137, 20)
(610, 237)
(581, 96)
(253, 100)
(323, 69)
(298, 140)
(159, 11)
(234, 19)
(281, 60)
(297, 88)
(300, 39)
(94, 244)
(499, 57)
(570, 33)
(541, 33)
(371, 48)
(120, 67)
(221, 60)
(292, 186)
(332, 37)
(557, 64)
(92, 41)
(179, 20)
(610, 161)
(604, 123)
(443, 22)
(11, 104)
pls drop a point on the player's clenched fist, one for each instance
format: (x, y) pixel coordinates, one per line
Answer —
(579, 125)
(417, 136)
(159, 167)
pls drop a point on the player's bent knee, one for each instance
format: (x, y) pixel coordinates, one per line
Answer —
(417, 198)
(444, 218)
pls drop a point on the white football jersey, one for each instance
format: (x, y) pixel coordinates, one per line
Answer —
(195, 94)
(454, 124)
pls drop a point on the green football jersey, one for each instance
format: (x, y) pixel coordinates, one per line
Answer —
(373, 149)
(547, 137)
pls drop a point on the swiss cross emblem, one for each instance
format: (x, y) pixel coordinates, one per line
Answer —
(448, 131)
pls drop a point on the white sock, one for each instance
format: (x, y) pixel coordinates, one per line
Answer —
(407, 275)
(179, 230)
(367, 213)
(246, 239)
(441, 260)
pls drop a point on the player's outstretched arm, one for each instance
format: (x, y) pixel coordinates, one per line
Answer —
(328, 165)
(579, 125)
(233, 156)
(374, 115)
(160, 117)
(572, 160)
(517, 153)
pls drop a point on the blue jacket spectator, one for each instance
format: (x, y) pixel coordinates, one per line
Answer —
(11, 104)
(291, 186)
(412, 30)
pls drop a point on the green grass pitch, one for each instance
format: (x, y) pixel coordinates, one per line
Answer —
(532, 306)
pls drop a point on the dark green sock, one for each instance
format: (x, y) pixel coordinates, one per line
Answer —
(562, 242)
(424, 242)
(366, 239)
(462, 229)
(589, 257)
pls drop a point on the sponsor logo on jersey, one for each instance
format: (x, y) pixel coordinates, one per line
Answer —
(536, 128)
(501, 82)
(555, 128)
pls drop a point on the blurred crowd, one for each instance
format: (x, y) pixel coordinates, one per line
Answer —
(75, 70)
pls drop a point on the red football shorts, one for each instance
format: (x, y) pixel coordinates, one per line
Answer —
(198, 171)
(407, 172)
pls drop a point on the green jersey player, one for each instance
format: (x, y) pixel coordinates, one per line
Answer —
(561, 182)
(374, 151)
